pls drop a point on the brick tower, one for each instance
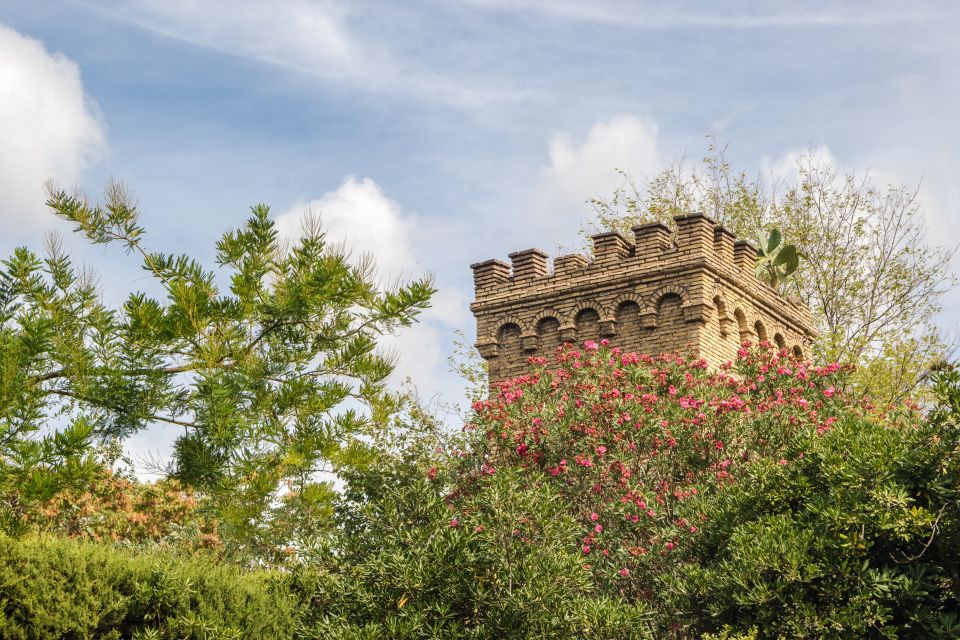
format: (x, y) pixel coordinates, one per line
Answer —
(693, 291)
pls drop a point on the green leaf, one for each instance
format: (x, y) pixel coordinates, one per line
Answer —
(774, 240)
(785, 255)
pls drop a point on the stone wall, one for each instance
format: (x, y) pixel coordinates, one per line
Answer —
(692, 291)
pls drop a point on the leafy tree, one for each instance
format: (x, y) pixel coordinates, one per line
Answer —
(268, 365)
(872, 281)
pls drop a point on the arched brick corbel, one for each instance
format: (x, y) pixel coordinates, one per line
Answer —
(488, 347)
(648, 318)
(696, 311)
(608, 327)
(648, 312)
(530, 341)
(725, 319)
(744, 328)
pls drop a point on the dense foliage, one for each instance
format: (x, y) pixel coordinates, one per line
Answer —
(52, 588)
(610, 495)
(614, 495)
(267, 367)
(402, 566)
(604, 495)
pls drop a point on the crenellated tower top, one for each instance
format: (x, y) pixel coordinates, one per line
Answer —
(694, 290)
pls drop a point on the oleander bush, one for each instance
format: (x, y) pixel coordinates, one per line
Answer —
(754, 496)
(56, 588)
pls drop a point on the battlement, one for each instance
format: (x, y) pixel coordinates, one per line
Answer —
(694, 289)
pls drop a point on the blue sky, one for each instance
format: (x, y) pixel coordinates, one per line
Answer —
(439, 133)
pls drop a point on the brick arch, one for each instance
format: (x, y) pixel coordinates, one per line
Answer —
(503, 321)
(587, 329)
(779, 340)
(547, 325)
(627, 309)
(720, 305)
(509, 360)
(588, 305)
(623, 298)
(797, 351)
(743, 327)
(654, 299)
(545, 314)
(724, 321)
(761, 330)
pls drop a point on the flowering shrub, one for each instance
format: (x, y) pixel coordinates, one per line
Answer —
(631, 441)
(756, 493)
(612, 495)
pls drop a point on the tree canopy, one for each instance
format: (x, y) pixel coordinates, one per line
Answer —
(267, 365)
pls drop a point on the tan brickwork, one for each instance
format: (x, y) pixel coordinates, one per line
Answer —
(693, 291)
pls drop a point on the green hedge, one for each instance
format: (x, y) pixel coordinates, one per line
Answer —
(56, 588)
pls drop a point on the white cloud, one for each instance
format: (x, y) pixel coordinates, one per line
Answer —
(578, 171)
(49, 128)
(361, 216)
(786, 167)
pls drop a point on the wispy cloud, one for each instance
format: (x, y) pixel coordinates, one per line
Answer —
(324, 39)
(718, 15)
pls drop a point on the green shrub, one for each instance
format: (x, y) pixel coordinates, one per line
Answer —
(403, 567)
(54, 588)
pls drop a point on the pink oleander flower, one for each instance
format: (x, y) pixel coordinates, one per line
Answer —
(586, 548)
(594, 516)
(454, 523)
(624, 572)
(590, 345)
(829, 391)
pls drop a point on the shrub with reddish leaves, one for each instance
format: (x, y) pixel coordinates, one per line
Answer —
(119, 509)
